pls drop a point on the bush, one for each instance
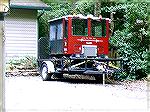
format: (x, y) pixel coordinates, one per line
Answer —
(133, 41)
(27, 62)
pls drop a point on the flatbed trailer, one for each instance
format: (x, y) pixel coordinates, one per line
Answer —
(79, 45)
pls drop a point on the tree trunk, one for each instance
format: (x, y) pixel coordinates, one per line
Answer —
(112, 23)
(97, 8)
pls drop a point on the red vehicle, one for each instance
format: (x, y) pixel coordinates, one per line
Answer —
(78, 45)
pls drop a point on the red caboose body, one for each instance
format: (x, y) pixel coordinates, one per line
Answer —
(78, 45)
(79, 35)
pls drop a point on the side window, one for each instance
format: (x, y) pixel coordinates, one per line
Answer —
(52, 31)
(79, 27)
(56, 31)
(66, 29)
(104, 28)
(98, 28)
(59, 31)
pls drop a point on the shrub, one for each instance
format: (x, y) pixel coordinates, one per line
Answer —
(27, 62)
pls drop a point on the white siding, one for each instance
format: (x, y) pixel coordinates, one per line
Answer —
(21, 33)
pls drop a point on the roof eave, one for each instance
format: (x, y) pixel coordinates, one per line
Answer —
(29, 7)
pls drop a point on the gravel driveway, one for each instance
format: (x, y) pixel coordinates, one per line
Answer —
(31, 94)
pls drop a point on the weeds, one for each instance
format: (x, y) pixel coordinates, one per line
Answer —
(27, 62)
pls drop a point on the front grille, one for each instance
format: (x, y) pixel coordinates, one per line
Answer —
(89, 50)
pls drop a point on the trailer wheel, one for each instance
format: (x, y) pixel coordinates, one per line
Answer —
(44, 72)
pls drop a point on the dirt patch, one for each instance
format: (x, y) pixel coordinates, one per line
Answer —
(141, 85)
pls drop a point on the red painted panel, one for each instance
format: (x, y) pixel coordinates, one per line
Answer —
(89, 26)
(74, 43)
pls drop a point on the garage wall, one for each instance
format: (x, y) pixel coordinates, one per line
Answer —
(21, 33)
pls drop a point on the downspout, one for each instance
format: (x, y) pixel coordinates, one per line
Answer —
(43, 11)
(41, 14)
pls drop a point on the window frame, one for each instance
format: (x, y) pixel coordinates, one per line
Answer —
(103, 28)
(85, 28)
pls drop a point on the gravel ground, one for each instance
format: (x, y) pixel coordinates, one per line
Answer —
(31, 94)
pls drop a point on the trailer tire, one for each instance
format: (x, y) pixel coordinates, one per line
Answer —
(44, 72)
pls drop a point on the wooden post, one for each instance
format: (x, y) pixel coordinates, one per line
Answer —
(103, 79)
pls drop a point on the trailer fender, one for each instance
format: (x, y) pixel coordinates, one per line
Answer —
(50, 65)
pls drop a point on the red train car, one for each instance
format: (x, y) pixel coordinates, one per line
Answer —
(79, 35)
(78, 45)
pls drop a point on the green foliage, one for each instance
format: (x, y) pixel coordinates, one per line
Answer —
(133, 40)
(120, 76)
(85, 7)
(27, 62)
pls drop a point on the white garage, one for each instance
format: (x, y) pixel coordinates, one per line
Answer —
(21, 28)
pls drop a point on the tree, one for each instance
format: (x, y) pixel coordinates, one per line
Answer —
(132, 40)
(131, 27)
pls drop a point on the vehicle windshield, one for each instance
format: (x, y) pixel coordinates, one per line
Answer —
(98, 28)
(80, 27)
